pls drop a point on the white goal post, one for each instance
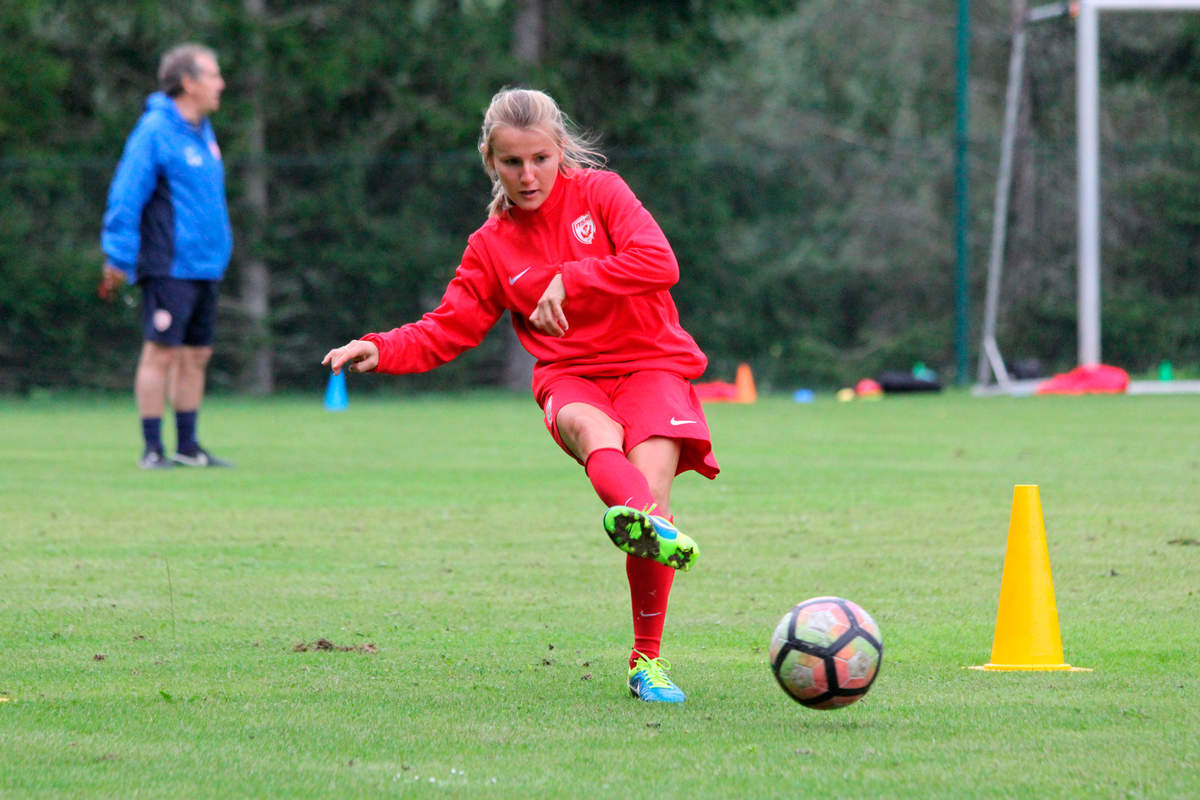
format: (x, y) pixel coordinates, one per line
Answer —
(1087, 65)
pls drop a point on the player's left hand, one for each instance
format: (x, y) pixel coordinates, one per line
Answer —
(548, 316)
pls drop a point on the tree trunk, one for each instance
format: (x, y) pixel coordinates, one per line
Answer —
(258, 372)
(528, 28)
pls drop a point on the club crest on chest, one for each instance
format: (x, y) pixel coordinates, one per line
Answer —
(584, 229)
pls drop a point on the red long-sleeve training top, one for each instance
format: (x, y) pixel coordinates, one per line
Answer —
(617, 268)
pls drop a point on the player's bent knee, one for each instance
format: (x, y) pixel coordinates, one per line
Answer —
(585, 429)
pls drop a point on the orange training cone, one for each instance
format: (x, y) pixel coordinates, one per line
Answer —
(1027, 636)
(744, 391)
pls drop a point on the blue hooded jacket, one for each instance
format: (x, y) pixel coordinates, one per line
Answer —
(166, 212)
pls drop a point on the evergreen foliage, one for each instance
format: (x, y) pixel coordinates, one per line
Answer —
(798, 155)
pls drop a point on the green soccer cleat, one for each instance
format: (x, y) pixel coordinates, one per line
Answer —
(647, 535)
(649, 683)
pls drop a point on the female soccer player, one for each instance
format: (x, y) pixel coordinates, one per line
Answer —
(586, 272)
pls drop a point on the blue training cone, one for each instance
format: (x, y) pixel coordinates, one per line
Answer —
(335, 392)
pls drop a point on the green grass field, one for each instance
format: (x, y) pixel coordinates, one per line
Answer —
(149, 622)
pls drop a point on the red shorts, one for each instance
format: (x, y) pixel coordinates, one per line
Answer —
(645, 404)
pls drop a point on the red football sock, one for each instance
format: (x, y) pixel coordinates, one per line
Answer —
(618, 482)
(649, 589)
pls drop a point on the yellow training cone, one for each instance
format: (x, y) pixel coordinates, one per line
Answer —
(1027, 635)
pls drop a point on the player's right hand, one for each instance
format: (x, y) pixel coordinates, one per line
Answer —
(548, 316)
(111, 279)
(356, 356)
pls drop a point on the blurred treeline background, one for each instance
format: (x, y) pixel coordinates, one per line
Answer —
(799, 155)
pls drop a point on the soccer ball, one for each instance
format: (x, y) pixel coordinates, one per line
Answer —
(826, 652)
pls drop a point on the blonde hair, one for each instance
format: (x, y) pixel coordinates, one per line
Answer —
(527, 109)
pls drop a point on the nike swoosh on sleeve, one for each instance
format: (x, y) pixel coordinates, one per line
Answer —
(517, 277)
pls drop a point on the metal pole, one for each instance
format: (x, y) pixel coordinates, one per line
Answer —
(1088, 121)
(961, 222)
(1087, 56)
(1012, 103)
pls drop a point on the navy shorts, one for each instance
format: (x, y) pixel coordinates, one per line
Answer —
(178, 312)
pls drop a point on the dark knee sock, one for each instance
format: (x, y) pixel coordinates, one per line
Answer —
(152, 433)
(185, 427)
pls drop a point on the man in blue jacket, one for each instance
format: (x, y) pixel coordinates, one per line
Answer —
(166, 228)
